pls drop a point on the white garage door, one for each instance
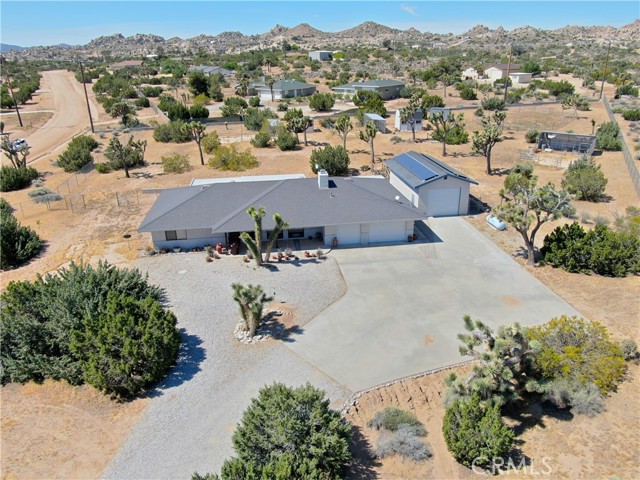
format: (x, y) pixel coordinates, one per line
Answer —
(441, 203)
(349, 234)
(386, 232)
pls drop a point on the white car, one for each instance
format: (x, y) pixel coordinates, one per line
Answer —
(19, 144)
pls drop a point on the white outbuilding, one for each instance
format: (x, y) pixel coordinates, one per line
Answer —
(434, 188)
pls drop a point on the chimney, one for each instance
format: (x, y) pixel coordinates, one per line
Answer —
(323, 179)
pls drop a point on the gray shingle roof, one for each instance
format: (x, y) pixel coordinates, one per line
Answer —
(417, 169)
(222, 207)
(379, 83)
(284, 85)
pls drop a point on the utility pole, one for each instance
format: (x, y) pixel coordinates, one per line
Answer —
(15, 104)
(86, 96)
(506, 81)
(604, 74)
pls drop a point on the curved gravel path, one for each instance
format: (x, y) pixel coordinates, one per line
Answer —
(188, 425)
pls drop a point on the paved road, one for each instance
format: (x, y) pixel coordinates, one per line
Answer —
(70, 114)
(405, 304)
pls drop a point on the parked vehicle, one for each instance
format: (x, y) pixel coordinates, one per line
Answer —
(19, 144)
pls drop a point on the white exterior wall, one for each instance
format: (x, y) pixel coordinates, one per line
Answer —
(408, 192)
(449, 183)
(194, 238)
(388, 231)
(469, 73)
(520, 78)
(493, 74)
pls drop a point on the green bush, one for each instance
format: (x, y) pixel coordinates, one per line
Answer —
(564, 248)
(631, 115)
(18, 243)
(558, 88)
(44, 195)
(201, 99)
(198, 111)
(493, 103)
(431, 101)
(103, 167)
(151, 91)
(178, 111)
(335, 160)
(629, 349)
(142, 102)
(607, 137)
(532, 135)
(165, 102)
(210, 142)
(261, 140)
(16, 178)
(176, 163)
(627, 90)
(5, 207)
(321, 102)
(456, 135)
(130, 345)
(229, 158)
(467, 93)
(286, 140)
(232, 106)
(254, 117)
(578, 351)
(77, 153)
(254, 102)
(584, 179)
(40, 318)
(475, 433)
(171, 132)
(392, 418)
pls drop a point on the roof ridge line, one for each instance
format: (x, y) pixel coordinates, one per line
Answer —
(383, 198)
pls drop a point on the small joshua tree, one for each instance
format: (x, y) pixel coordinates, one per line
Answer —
(251, 299)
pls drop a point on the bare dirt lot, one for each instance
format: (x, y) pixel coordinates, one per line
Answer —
(81, 430)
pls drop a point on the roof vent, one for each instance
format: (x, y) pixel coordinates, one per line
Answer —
(323, 179)
(398, 198)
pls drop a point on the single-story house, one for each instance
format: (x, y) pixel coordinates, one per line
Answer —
(386, 88)
(125, 64)
(433, 187)
(567, 142)
(418, 118)
(439, 45)
(470, 74)
(349, 211)
(520, 78)
(321, 55)
(211, 70)
(381, 123)
(282, 89)
(499, 70)
(245, 178)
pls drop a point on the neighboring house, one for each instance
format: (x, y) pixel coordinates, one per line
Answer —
(439, 45)
(520, 78)
(406, 126)
(567, 142)
(211, 70)
(282, 89)
(433, 187)
(381, 123)
(499, 70)
(353, 211)
(125, 64)
(386, 88)
(321, 55)
(470, 74)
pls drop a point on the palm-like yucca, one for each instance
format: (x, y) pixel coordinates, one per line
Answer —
(275, 233)
(255, 244)
(367, 135)
(251, 299)
(343, 126)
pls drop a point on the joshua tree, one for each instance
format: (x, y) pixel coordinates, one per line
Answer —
(251, 299)
(484, 141)
(295, 125)
(367, 135)
(408, 114)
(343, 126)
(197, 132)
(13, 153)
(121, 110)
(306, 123)
(255, 244)
(269, 82)
(280, 225)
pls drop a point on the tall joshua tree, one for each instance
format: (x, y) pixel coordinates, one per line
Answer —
(255, 244)
(367, 135)
(343, 126)
(251, 299)
(196, 131)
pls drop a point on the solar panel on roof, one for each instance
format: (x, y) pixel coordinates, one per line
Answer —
(415, 167)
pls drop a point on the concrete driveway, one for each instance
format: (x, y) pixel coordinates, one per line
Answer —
(405, 303)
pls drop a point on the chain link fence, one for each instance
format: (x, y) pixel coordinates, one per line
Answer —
(628, 158)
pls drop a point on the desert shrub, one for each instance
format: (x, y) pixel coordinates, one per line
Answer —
(201, 99)
(165, 102)
(229, 158)
(631, 115)
(77, 154)
(39, 318)
(584, 179)
(431, 101)
(16, 178)
(583, 399)
(607, 137)
(335, 160)
(198, 111)
(142, 102)
(178, 111)
(513, 97)
(210, 142)
(467, 93)
(44, 195)
(254, 102)
(171, 132)
(282, 107)
(103, 168)
(85, 142)
(577, 351)
(456, 135)
(627, 90)
(392, 418)
(403, 442)
(127, 347)
(261, 140)
(396, 139)
(493, 103)
(475, 431)
(557, 88)
(532, 135)
(286, 140)
(176, 163)
(564, 247)
(321, 102)
(284, 422)
(18, 243)
(254, 117)
(629, 349)
(151, 91)
(232, 106)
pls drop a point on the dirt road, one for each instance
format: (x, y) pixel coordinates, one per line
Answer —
(70, 114)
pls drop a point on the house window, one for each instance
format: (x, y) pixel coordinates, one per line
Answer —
(296, 233)
(171, 235)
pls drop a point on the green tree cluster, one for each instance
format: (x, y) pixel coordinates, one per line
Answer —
(18, 243)
(335, 160)
(584, 179)
(230, 158)
(321, 102)
(608, 137)
(172, 132)
(77, 154)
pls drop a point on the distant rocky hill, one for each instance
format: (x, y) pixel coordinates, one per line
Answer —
(308, 37)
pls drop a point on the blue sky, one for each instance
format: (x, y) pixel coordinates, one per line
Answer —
(28, 23)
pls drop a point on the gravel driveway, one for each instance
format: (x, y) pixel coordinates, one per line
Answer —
(188, 426)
